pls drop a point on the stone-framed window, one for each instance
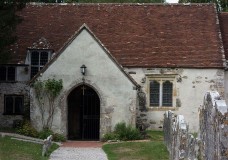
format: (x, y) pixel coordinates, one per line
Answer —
(38, 58)
(13, 104)
(7, 73)
(161, 91)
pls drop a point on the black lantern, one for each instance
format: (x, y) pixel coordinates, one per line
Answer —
(83, 69)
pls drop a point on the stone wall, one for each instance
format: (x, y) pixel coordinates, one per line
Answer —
(19, 88)
(188, 84)
(212, 140)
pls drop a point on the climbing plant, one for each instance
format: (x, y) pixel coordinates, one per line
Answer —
(47, 91)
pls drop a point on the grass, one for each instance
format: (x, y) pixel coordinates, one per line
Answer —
(18, 150)
(151, 150)
(155, 135)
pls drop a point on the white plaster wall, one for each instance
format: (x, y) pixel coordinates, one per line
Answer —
(22, 73)
(190, 91)
(113, 87)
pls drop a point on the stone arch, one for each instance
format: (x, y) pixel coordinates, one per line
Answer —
(64, 105)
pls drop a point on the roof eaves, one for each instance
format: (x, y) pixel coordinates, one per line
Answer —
(220, 38)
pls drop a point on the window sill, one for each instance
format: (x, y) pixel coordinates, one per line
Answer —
(162, 108)
(8, 81)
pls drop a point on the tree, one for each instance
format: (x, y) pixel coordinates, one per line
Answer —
(47, 91)
(222, 5)
(8, 23)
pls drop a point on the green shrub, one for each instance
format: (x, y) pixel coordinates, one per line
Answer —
(59, 137)
(27, 129)
(45, 133)
(56, 136)
(123, 132)
(109, 136)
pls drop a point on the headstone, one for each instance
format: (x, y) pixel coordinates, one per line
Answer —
(47, 144)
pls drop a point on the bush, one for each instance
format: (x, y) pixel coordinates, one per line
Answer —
(109, 136)
(47, 132)
(123, 132)
(59, 137)
(27, 129)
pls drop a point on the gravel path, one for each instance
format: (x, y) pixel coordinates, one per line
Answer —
(69, 153)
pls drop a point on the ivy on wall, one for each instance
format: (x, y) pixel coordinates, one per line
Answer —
(47, 91)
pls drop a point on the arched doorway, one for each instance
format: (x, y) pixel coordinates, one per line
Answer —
(83, 114)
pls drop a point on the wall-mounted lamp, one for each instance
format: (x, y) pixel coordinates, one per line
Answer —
(83, 69)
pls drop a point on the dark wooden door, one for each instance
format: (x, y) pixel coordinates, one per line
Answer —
(83, 114)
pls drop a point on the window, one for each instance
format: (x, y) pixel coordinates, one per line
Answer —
(14, 105)
(7, 73)
(38, 59)
(161, 92)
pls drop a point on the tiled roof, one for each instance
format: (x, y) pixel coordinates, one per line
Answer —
(224, 30)
(137, 35)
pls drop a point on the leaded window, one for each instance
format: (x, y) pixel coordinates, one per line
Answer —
(38, 59)
(154, 93)
(14, 104)
(7, 73)
(167, 93)
(161, 93)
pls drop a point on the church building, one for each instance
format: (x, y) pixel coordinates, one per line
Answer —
(117, 63)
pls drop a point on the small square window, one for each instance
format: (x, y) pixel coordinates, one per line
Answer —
(38, 59)
(14, 104)
(7, 73)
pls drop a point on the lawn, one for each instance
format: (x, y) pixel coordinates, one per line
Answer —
(151, 150)
(18, 150)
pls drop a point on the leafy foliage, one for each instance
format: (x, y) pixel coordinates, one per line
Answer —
(222, 5)
(28, 130)
(123, 132)
(47, 90)
(8, 23)
(53, 87)
(47, 132)
(109, 136)
(40, 91)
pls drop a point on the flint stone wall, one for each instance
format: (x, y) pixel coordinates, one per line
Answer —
(212, 140)
(19, 88)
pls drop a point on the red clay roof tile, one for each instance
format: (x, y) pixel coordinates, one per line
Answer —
(137, 35)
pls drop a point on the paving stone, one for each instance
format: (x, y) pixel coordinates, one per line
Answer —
(70, 153)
